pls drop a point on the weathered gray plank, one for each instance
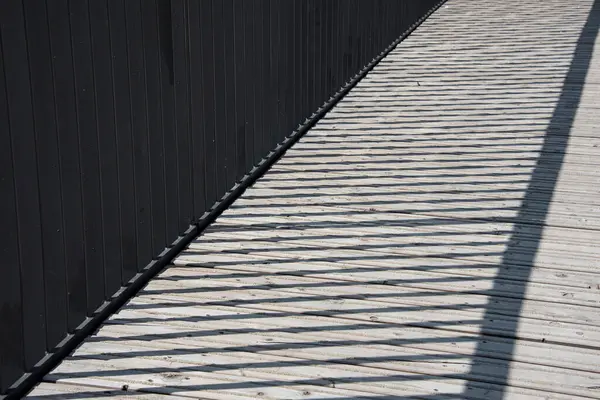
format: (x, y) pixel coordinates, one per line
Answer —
(58, 391)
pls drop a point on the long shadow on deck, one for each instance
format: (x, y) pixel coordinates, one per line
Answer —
(552, 160)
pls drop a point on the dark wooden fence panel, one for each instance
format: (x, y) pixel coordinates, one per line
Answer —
(123, 121)
(11, 309)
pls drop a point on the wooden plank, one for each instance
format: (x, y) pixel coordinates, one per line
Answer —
(88, 136)
(410, 311)
(231, 346)
(487, 246)
(11, 313)
(181, 88)
(323, 155)
(26, 193)
(377, 192)
(439, 202)
(107, 145)
(249, 96)
(50, 187)
(220, 100)
(139, 132)
(376, 222)
(205, 21)
(417, 273)
(222, 358)
(242, 79)
(152, 61)
(48, 391)
(495, 184)
(124, 139)
(486, 210)
(191, 379)
(199, 135)
(304, 184)
(276, 332)
(474, 300)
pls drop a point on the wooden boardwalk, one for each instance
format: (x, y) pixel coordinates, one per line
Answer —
(435, 236)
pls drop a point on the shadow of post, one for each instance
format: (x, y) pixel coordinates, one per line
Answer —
(548, 168)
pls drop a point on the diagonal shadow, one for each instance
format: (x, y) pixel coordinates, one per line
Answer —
(561, 123)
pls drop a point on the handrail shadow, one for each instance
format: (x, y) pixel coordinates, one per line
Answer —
(561, 123)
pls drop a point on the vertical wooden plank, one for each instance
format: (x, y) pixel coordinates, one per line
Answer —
(267, 98)
(408, 14)
(367, 32)
(167, 96)
(340, 45)
(182, 128)
(306, 62)
(11, 307)
(229, 89)
(396, 7)
(282, 67)
(287, 67)
(88, 147)
(332, 35)
(311, 51)
(381, 17)
(336, 24)
(327, 31)
(123, 127)
(239, 29)
(107, 145)
(197, 131)
(358, 22)
(322, 36)
(298, 62)
(139, 128)
(24, 163)
(154, 132)
(351, 40)
(220, 98)
(292, 52)
(249, 44)
(41, 74)
(374, 47)
(257, 74)
(352, 59)
(70, 170)
(390, 23)
(274, 81)
(316, 59)
(335, 27)
(344, 40)
(362, 15)
(318, 55)
(208, 103)
(372, 30)
(324, 30)
(387, 24)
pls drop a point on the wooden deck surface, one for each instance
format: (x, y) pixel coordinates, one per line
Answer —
(435, 236)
